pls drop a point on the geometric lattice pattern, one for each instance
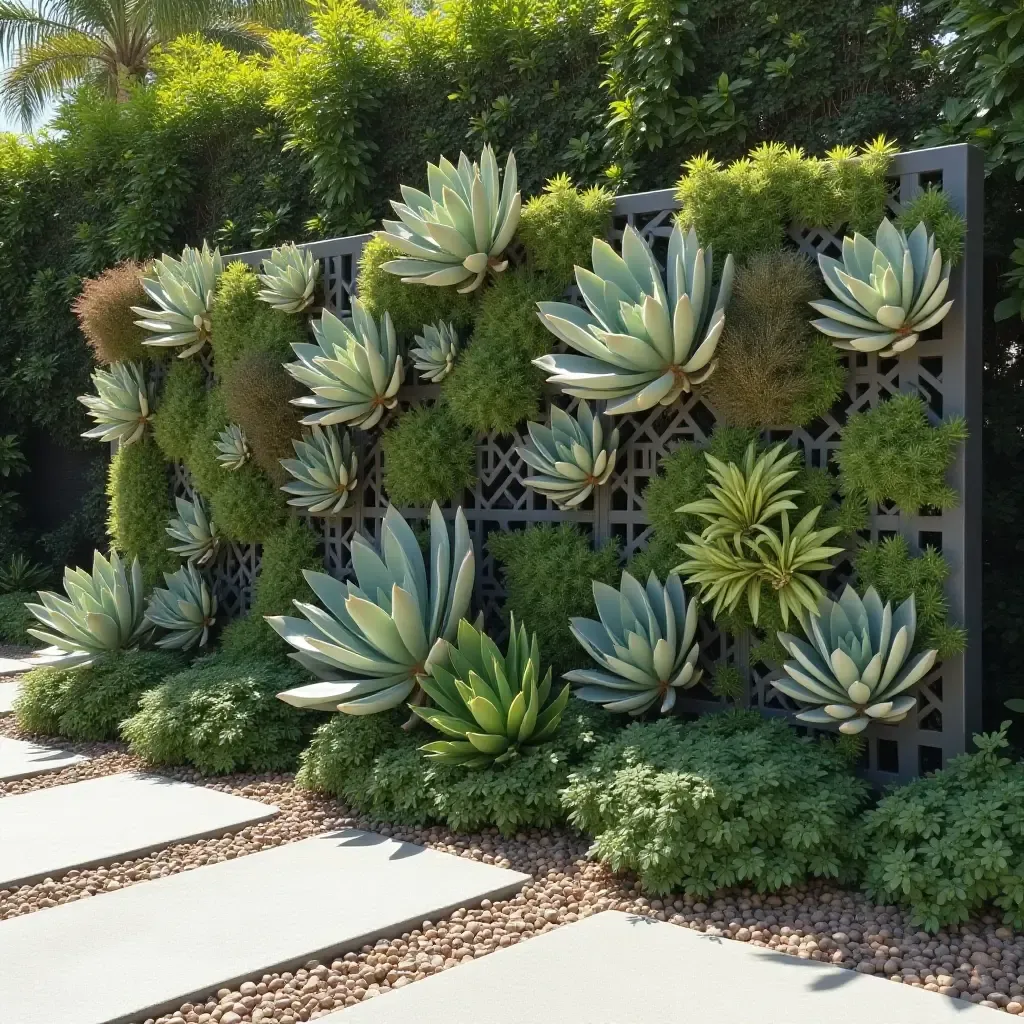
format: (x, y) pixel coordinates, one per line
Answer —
(944, 367)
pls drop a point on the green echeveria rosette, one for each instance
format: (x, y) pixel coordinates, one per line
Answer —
(196, 533)
(232, 446)
(186, 609)
(435, 352)
(122, 405)
(289, 278)
(325, 471)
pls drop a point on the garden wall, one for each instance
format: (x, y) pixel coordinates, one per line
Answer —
(944, 368)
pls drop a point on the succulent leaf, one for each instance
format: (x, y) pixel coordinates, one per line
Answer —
(289, 278)
(325, 470)
(122, 405)
(194, 530)
(186, 609)
(232, 447)
(436, 351)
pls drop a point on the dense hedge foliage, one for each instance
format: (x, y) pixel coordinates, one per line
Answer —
(15, 618)
(732, 799)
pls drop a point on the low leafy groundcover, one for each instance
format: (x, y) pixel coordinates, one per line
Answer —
(732, 799)
(15, 618)
(222, 715)
(90, 702)
(374, 766)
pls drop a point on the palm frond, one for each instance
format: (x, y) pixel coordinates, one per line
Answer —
(243, 36)
(24, 26)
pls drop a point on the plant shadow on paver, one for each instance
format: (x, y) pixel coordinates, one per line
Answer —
(358, 838)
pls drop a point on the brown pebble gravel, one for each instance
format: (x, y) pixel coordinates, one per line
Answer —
(981, 962)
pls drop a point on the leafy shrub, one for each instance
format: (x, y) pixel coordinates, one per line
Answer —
(90, 702)
(181, 409)
(889, 567)
(948, 843)
(410, 306)
(241, 322)
(257, 395)
(547, 572)
(932, 206)
(893, 454)
(558, 228)
(428, 457)
(773, 367)
(287, 550)
(247, 506)
(222, 715)
(375, 767)
(732, 799)
(15, 618)
(140, 506)
(744, 207)
(206, 472)
(494, 385)
(104, 313)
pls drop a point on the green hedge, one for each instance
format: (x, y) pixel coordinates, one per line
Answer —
(15, 618)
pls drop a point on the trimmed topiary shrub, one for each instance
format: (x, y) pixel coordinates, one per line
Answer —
(89, 702)
(247, 506)
(410, 306)
(949, 844)
(547, 572)
(732, 799)
(494, 385)
(104, 313)
(257, 395)
(15, 618)
(181, 409)
(558, 228)
(222, 715)
(241, 322)
(773, 367)
(428, 457)
(892, 453)
(140, 507)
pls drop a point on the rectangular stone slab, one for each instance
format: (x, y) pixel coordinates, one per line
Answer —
(616, 968)
(131, 954)
(20, 759)
(8, 691)
(102, 820)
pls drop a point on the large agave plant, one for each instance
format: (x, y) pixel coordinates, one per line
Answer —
(857, 667)
(233, 450)
(325, 470)
(571, 456)
(195, 530)
(122, 405)
(460, 231)
(644, 644)
(491, 706)
(354, 370)
(183, 290)
(186, 609)
(378, 637)
(289, 278)
(643, 343)
(101, 613)
(888, 292)
(434, 355)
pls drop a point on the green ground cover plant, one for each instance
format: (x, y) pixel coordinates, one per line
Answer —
(15, 618)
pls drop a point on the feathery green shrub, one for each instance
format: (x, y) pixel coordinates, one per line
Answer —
(140, 507)
(729, 800)
(428, 457)
(15, 618)
(892, 453)
(206, 472)
(181, 409)
(222, 715)
(558, 227)
(104, 311)
(246, 506)
(949, 844)
(932, 205)
(494, 385)
(547, 571)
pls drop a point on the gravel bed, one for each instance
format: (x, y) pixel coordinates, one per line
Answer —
(15, 651)
(981, 962)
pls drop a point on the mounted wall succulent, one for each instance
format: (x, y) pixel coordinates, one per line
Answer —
(122, 405)
(491, 706)
(325, 470)
(102, 611)
(889, 292)
(195, 530)
(232, 447)
(289, 278)
(571, 456)
(377, 639)
(183, 290)
(638, 337)
(186, 609)
(435, 353)
(857, 666)
(461, 230)
(645, 644)
(354, 370)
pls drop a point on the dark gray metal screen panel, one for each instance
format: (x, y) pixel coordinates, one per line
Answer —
(945, 368)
